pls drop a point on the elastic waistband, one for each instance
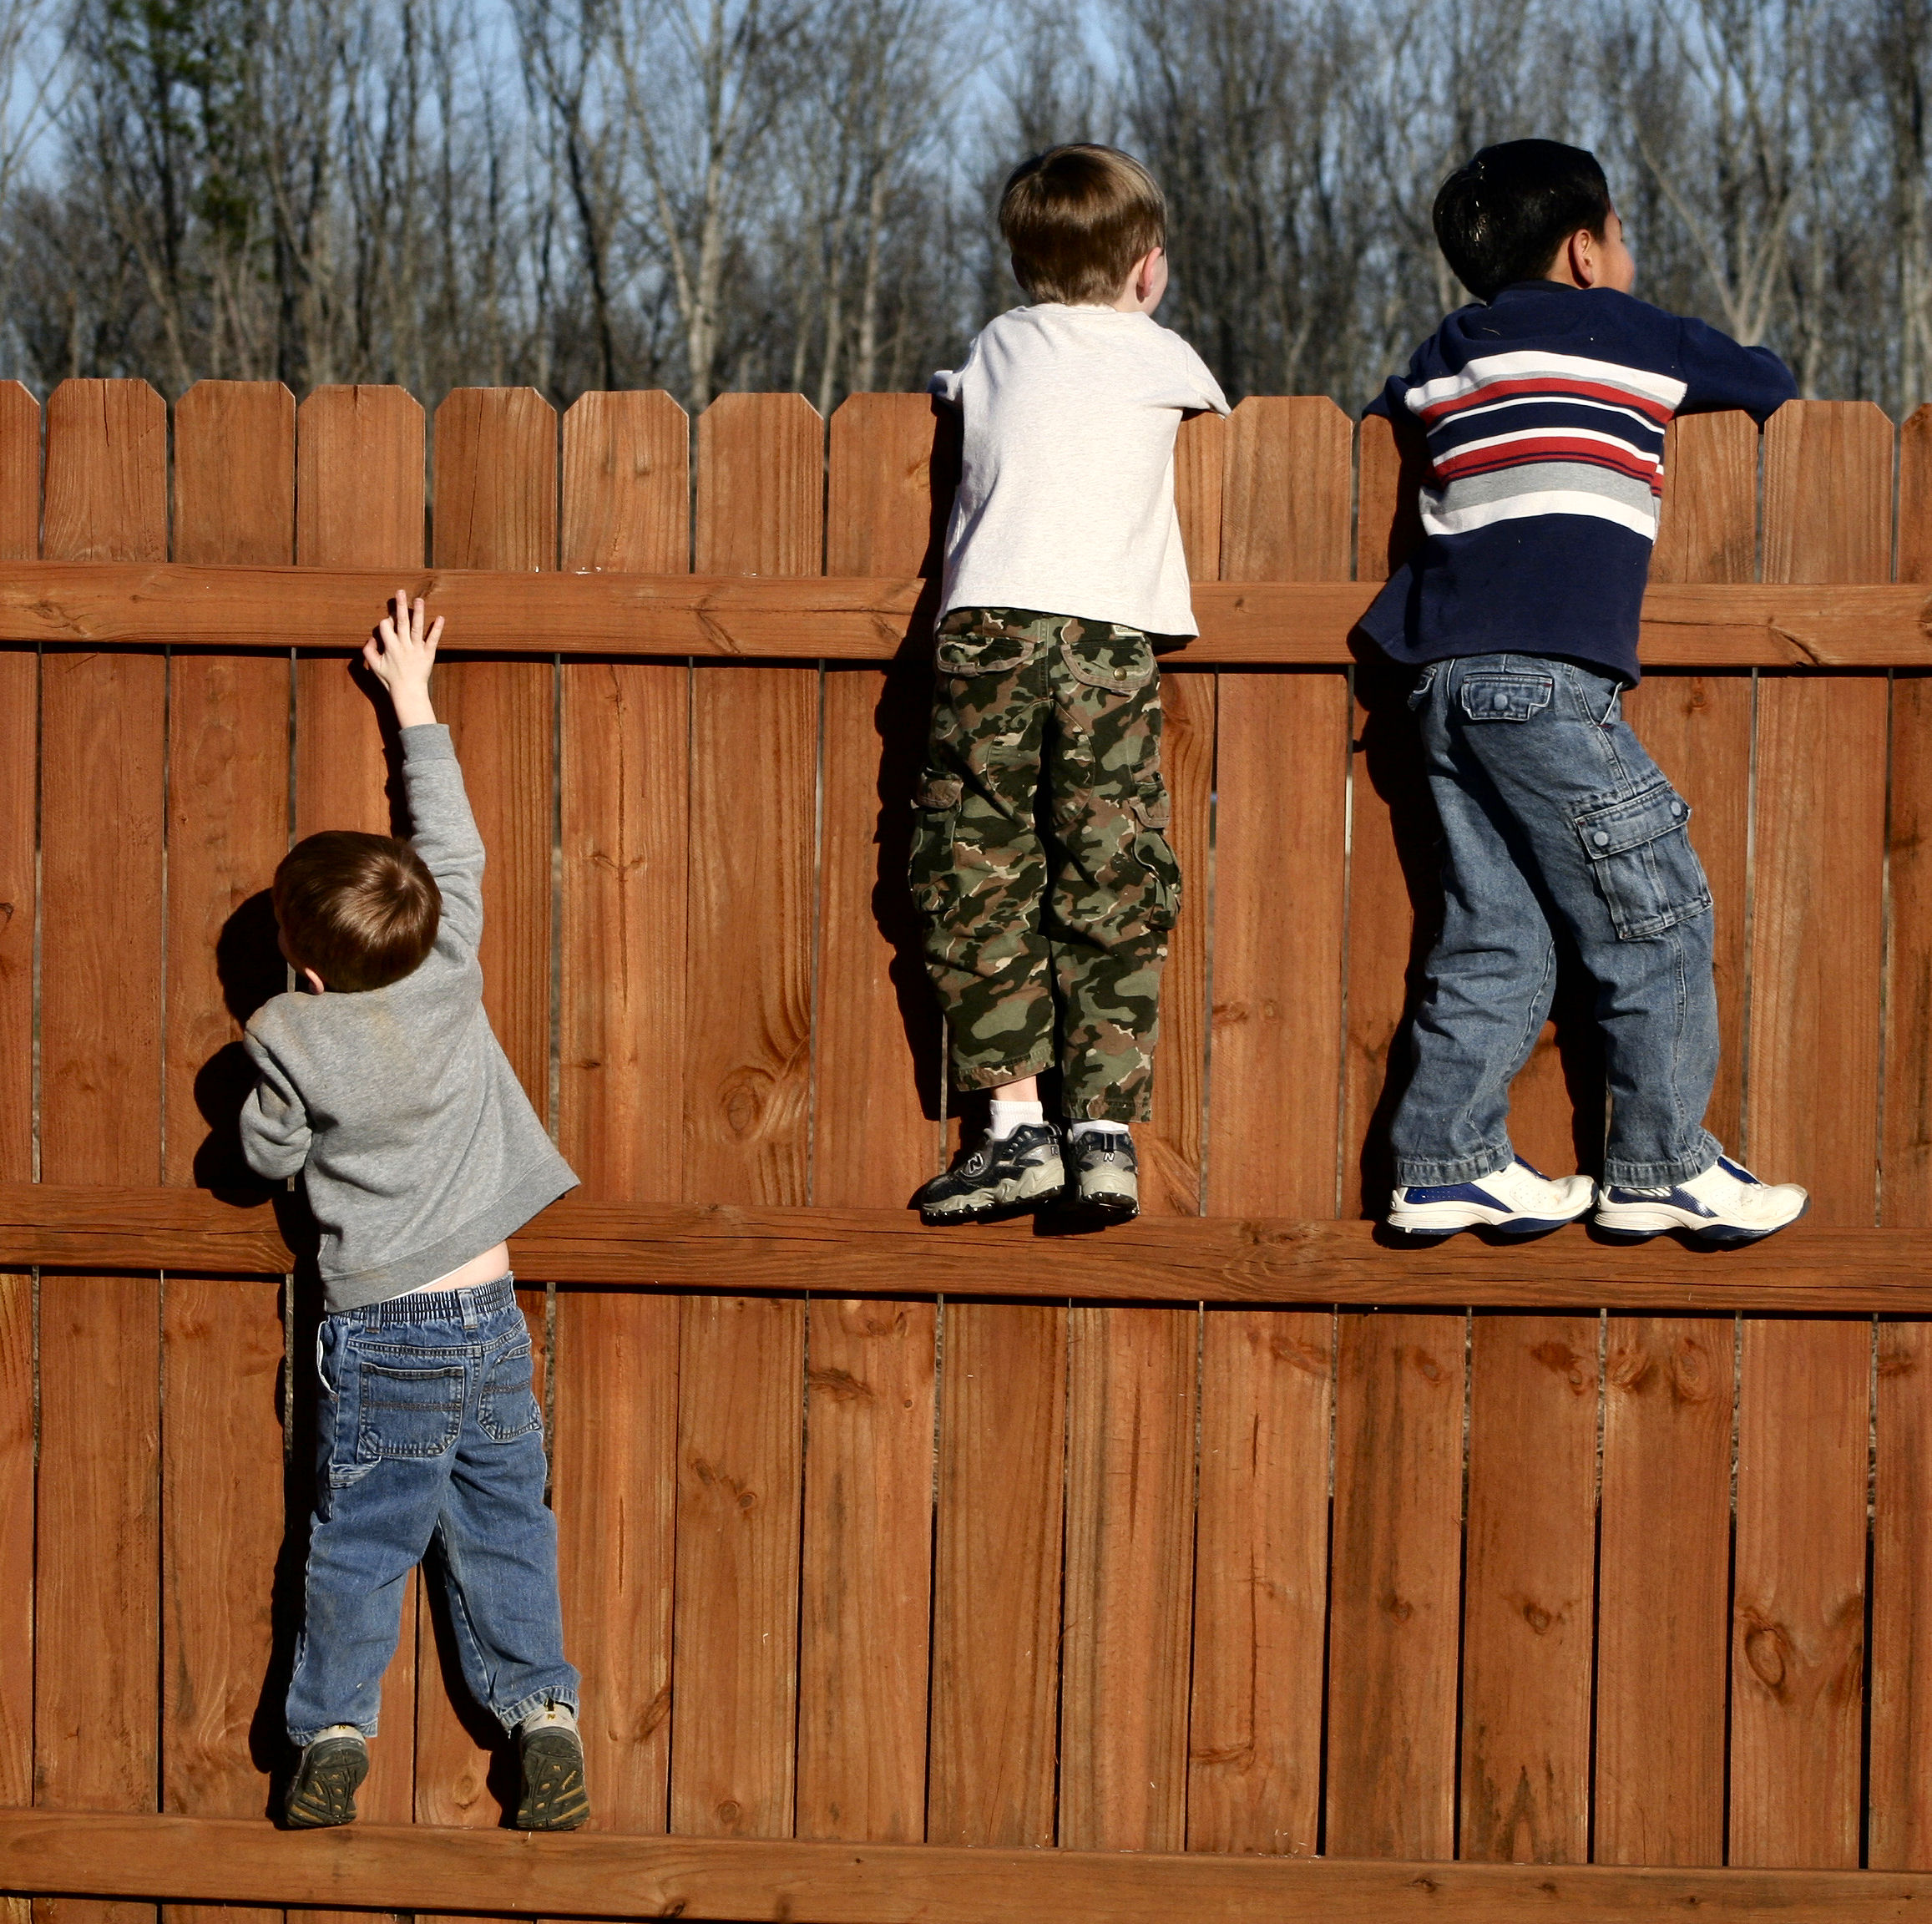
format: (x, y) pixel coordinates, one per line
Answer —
(468, 1305)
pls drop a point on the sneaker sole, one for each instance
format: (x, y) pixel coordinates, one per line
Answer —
(1418, 1223)
(1032, 1191)
(1111, 1204)
(1641, 1228)
(554, 1797)
(327, 1797)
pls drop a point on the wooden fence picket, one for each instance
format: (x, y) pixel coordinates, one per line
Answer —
(996, 1575)
(1664, 1589)
(97, 1709)
(623, 799)
(866, 1580)
(1798, 1618)
(359, 503)
(19, 780)
(1529, 1615)
(223, 1501)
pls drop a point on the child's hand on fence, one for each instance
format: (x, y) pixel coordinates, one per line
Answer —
(400, 654)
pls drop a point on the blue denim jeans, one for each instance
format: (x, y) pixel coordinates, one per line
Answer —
(1554, 816)
(428, 1428)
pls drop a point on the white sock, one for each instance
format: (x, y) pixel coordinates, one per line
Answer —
(1007, 1116)
(1089, 1128)
(339, 1730)
(551, 1716)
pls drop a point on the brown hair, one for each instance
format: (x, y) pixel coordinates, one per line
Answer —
(1077, 219)
(361, 910)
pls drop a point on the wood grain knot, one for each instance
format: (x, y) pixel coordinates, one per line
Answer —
(1399, 1607)
(1561, 1360)
(840, 1384)
(1690, 1372)
(1537, 1617)
(1427, 1367)
(1310, 1358)
(1768, 1651)
(1631, 1370)
(729, 1811)
(742, 1101)
(712, 1478)
(1895, 1360)
(654, 1713)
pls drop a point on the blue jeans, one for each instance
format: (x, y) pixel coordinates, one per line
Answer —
(1554, 816)
(428, 1428)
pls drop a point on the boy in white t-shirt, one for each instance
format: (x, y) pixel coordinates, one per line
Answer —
(1041, 861)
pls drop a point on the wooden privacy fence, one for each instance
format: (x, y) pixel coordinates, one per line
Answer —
(1587, 1582)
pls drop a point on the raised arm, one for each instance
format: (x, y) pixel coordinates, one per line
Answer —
(442, 830)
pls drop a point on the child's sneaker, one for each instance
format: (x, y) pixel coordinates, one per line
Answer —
(1518, 1200)
(329, 1774)
(552, 1754)
(1017, 1172)
(1105, 1176)
(1725, 1204)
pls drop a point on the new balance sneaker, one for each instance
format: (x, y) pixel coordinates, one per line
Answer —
(1106, 1178)
(1018, 1171)
(327, 1777)
(552, 1754)
(1519, 1201)
(1725, 1204)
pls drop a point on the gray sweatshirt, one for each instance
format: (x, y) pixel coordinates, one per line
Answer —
(415, 1140)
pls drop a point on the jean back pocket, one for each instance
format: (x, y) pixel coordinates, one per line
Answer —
(404, 1412)
(1642, 862)
(1504, 694)
(508, 1408)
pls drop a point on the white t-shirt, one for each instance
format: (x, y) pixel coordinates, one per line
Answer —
(1066, 490)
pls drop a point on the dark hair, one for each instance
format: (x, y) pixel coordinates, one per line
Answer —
(1077, 219)
(361, 910)
(1502, 218)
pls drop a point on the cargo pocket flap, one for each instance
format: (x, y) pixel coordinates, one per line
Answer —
(938, 792)
(1621, 826)
(974, 653)
(1152, 808)
(1121, 664)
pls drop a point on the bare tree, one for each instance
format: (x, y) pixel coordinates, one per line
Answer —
(702, 88)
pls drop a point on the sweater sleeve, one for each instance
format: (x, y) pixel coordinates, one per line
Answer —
(1392, 403)
(274, 1125)
(444, 832)
(1719, 373)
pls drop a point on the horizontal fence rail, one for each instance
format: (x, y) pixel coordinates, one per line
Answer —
(1284, 624)
(1232, 1563)
(1212, 1260)
(592, 1876)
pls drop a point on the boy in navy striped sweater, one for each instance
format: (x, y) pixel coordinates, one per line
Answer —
(1544, 405)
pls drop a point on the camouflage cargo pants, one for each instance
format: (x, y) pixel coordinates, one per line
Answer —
(1040, 860)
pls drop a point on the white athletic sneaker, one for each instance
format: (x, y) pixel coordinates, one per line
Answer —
(1725, 1204)
(1519, 1201)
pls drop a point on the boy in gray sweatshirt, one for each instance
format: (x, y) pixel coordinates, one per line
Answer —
(380, 1084)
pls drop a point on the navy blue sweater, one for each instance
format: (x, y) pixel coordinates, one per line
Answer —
(1546, 412)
